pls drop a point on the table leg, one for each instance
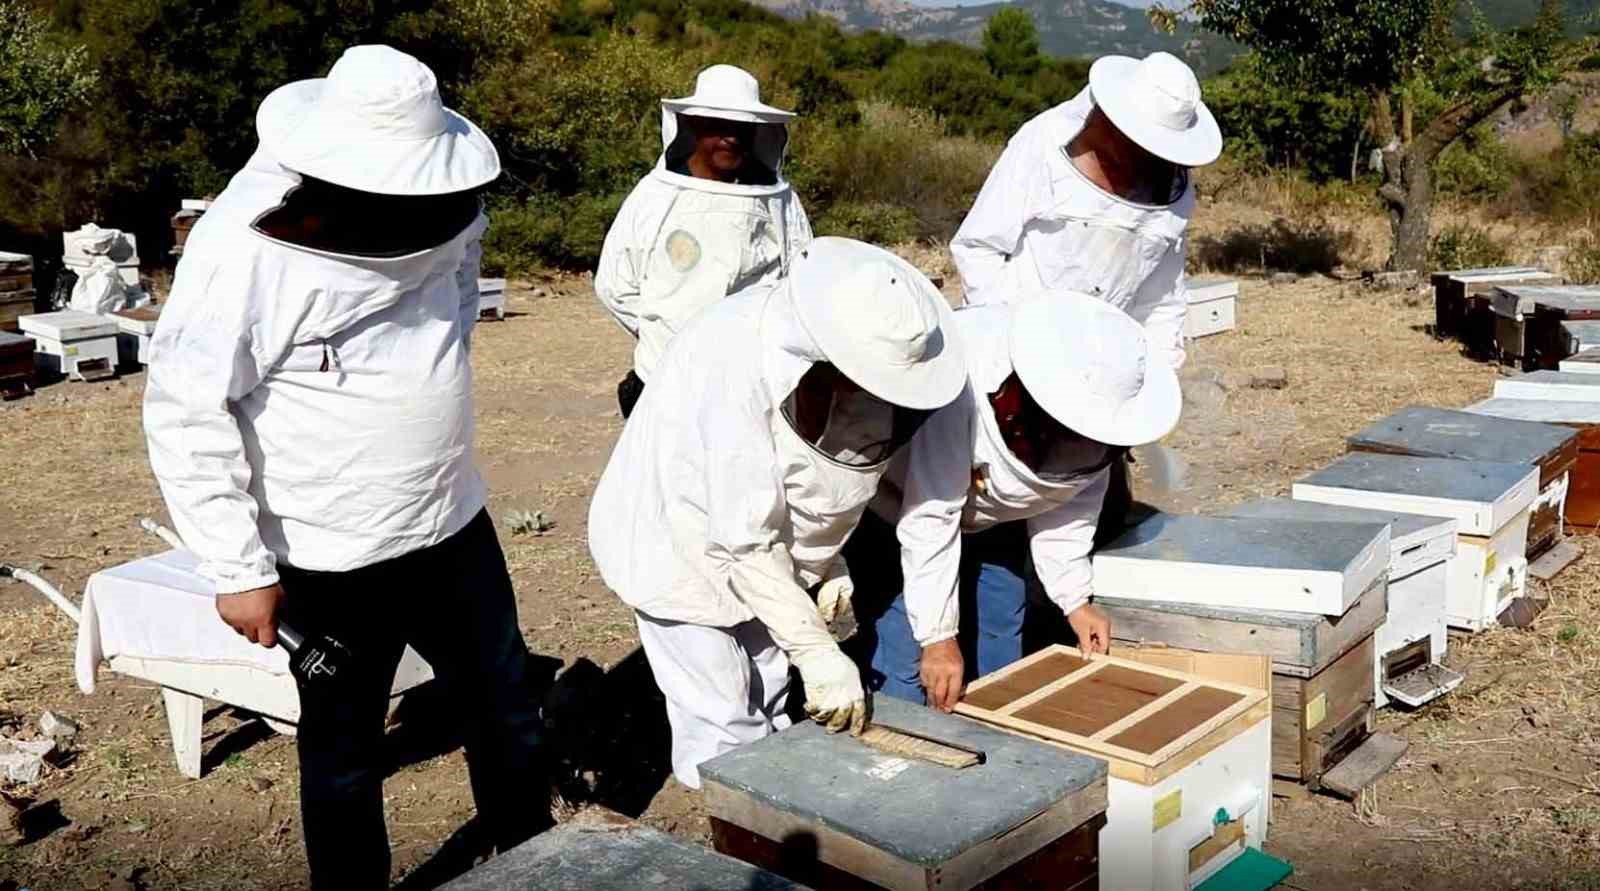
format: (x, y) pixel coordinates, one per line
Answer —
(185, 714)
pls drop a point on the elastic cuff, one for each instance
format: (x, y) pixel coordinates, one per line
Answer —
(242, 583)
(1068, 605)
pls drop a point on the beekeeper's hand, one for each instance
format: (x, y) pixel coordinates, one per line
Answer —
(942, 673)
(253, 613)
(1092, 627)
(836, 590)
(834, 696)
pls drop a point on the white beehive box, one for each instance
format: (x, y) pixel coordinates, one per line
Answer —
(1213, 304)
(492, 298)
(1420, 549)
(135, 328)
(75, 344)
(1489, 501)
(1584, 362)
(1189, 751)
(1289, 566)
(1556, 386)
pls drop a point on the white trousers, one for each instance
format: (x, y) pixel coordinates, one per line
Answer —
(724, 687)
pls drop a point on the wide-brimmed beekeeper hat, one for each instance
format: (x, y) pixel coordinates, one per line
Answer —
(730, 93)
(376, 124)
(1089, 365)
(1155, 101)
(879, 321)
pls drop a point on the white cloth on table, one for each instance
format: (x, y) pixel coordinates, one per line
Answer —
(724, 687)
(160, 607)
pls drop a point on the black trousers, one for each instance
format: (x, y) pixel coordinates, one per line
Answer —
(454, 604)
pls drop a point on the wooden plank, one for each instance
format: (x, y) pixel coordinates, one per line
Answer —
(1555, 560)
(1069, 832)
(1021, 678)
(797, 856)
(1363, 767)
(893, 742)
(1243, 669)
(1222, 838)
(1225, 727)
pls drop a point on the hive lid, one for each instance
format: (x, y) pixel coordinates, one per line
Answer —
(1560, 385)
(1207, 289)
(1442, 433)
(914, 810)
(1546, 411)
(10, 341)
(614, 858)
(1585, 361)
(1245, 563)
(1481, 496)
(1147, 720)
(1493, 273)
(1554, 297)
(1406, 531)
(68, 324)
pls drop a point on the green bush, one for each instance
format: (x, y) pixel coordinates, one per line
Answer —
(874, 222)
(543, 230)
(1582, 263)
(1463, 246)
(1477, 167)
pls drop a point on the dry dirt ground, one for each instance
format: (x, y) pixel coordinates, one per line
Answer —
(1500, 789)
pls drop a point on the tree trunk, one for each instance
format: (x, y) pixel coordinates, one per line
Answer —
(1408, 193)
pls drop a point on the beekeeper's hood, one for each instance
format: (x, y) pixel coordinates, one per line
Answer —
(857, 312)
(1088, 365)
(732, 94)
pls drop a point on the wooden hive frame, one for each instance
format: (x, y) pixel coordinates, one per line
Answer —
(1223, 709)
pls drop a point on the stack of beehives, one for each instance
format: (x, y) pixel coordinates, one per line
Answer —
(184, 220)
(16, 288)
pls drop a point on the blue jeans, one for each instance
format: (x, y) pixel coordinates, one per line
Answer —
(993, 598)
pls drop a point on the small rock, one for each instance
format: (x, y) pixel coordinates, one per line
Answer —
(56, 727)
(22, 760)
(1393, 281)
(1283, 278)
(1536, 718)
(259, 784)
(1270, 377)
(136, 826)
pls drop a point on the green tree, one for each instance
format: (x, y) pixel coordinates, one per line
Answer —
(42, 77)
(1389, 51)
(1011, 43)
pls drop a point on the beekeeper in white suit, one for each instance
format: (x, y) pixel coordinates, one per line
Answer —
(733, 491)
(309, 418)
(714, 216)
(1058, 387)
(1093, 196)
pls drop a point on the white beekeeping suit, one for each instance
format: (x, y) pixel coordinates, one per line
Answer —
(681, 242)
(1041, 223)
(733, 489)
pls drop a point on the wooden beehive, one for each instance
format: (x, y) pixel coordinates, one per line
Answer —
(16, 289)
(827, 811)
(1442, 433)
(1244, 563)
(1583, 488)
(1411, 642)
(1559, 386)
(1457, 314)
(135, 329)
(1189, 753)
(1490, 502)
(1544, 342)
(16, 365)
(617, 856)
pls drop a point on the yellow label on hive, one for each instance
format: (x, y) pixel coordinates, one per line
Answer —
(69, 351)
(1488, 563)
(1316, 710)
(1168, 808)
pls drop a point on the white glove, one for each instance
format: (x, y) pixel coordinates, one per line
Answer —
(834, 696)
(836, 590)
